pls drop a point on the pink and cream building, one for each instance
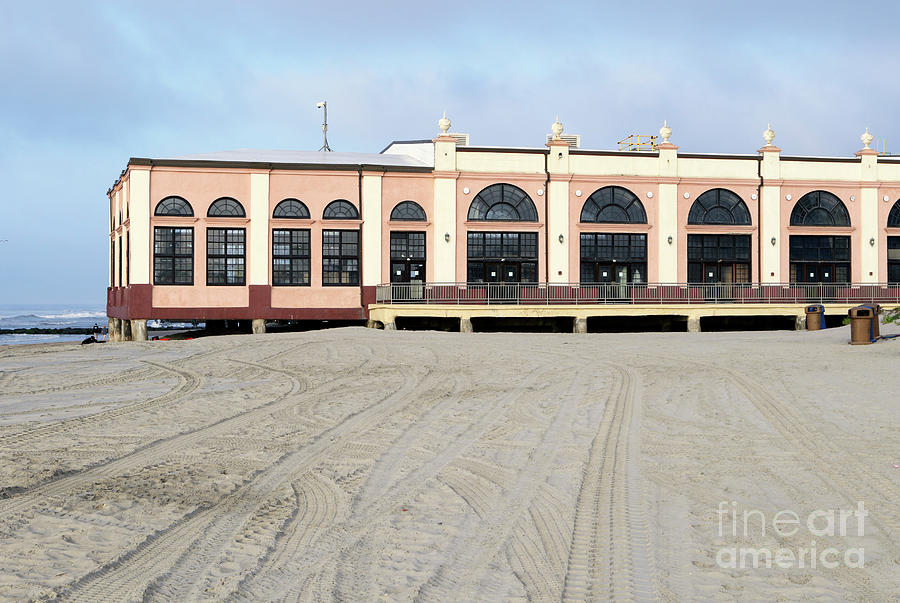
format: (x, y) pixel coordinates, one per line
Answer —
(282, 235)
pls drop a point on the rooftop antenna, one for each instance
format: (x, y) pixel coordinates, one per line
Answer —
(324, 105)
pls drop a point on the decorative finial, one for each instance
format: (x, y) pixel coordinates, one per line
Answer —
(866, 138)
(665, 131)
(769, 135)
(557, 129)
(444, 124)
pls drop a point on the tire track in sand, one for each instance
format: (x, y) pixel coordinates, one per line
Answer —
(840, 471)
(188, 382)
(287, 578)
(151, 452)
(831, 461)
(171, 564)
(610, 556)
(466, 573)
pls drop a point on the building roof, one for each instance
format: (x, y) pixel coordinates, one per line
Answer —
(320, 157)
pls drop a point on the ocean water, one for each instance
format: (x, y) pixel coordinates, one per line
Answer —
(61, 316)
(48, 316)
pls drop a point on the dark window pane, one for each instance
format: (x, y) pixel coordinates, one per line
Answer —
(340, 210)
(502, 202)
(226, 207)
(291, 208)
(340, 258)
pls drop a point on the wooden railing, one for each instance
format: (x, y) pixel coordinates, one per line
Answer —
(637, 293)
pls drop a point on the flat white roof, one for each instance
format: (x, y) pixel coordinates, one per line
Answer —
(323, 157)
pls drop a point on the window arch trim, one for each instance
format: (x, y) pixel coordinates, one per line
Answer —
(820, 209)
(620, 206)
(502, 202)
(719, 207)
(172, 202)
(226, 207)
(893, 220)
(340, 209)
(408, 211)
(291, 209)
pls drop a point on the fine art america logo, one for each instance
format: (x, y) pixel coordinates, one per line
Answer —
(753, 524)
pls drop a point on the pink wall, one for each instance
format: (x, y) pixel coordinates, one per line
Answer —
(695, 188)
(842, 191)
(316, 189)
(397, 187)
(475, 183)
(884, 208)
(640, 187)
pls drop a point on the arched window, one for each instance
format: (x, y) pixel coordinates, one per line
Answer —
(719, 206)
(291, 208)
(226, 207)
(340, 210)
(819, 208)
(613, 204)
(409, 211)
(173, 206)
(502, 203)
(894, 216)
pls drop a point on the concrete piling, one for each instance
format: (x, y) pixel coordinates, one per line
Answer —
(465, 325)
(693, 324)
(580, 325)
(139, 330)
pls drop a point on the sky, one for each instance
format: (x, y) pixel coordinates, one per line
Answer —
(86, 85)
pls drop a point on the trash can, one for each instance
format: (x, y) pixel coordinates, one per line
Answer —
(815, 317)
(876, 320)
(862, 326)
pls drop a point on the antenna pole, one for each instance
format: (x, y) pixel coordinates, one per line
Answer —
(324, 105)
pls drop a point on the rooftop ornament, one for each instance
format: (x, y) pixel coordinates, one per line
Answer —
(665, 132)
(769, 135)
(444, 124)
(866, 138)
(557, 129)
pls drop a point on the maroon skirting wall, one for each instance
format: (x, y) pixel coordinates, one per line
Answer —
(136, 302)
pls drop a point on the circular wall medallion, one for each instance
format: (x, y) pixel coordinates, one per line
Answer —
(753, 196)
(649, 194)
(788, 197)
(578, 193)
(466, 190)
(687, 195)
(852, 197)
(540, 192)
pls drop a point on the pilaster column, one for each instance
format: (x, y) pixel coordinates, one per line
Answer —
(770, 227)
(445, 175)
(558, 212)
(667, 199)
(371, 228)
(140, 226)
(258, 248)
(868, 217)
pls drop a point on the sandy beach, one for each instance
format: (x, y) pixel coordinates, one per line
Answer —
(363, 465)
